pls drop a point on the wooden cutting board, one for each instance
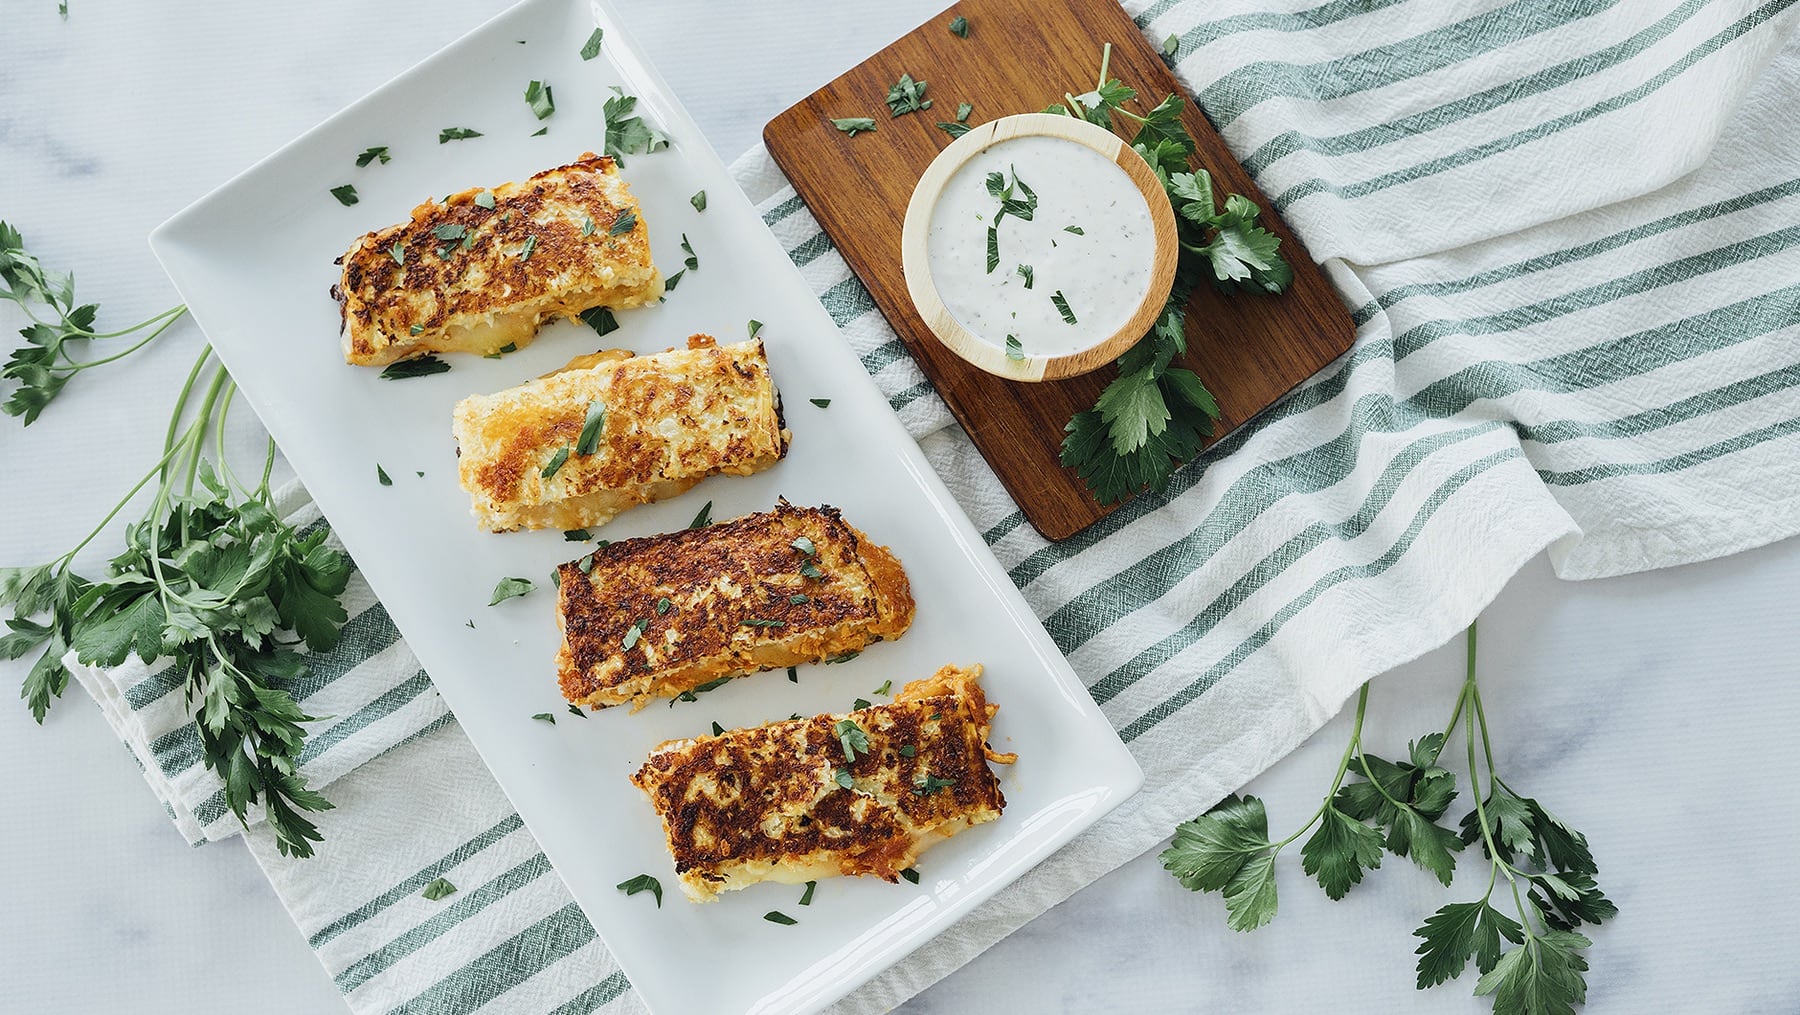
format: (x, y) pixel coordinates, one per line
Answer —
(1020, 56)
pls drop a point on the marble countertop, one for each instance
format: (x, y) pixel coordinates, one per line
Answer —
(1653, 712)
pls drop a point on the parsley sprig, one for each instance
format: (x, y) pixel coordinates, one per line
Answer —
(1154, 415)
(214, 581)
(1545, 865)
(46, 362)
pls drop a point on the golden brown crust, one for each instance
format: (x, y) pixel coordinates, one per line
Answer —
(740, 598)
(671, 419)
(480, 289)
(766, 803)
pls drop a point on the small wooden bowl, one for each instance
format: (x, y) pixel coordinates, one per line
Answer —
(987, 355)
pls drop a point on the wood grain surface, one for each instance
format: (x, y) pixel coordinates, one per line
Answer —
(1020, 56)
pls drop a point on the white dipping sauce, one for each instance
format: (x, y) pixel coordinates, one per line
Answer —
(1103, 273)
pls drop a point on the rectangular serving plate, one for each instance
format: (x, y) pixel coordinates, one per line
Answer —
(253, 260)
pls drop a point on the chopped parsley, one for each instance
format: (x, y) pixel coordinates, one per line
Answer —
(438, 888)
(804, 546)
(555, 464)
(1062, 307)
(962, 112)
(843, 777)
(627, 134)
(692, 262)
(577, 535)
(398, 252)
(1025, 272)
(1077, 230)
(806, 897)
(693, 693)
(859, 704)
(851, 737)
(887, 687)
(698, 201)
(717, 729)
(777, 916)
(450, 231)
(1015, 350)
(587, 226)
(843, 657)
(754, 327)
(538, 97)
(510, 588)
(953, 129)
(854, 125)
(545, 717)
(926, 784)
(626, 222)
(345, 194)
(703, 518)
(993, 249)
(420, 367)
(911, 875)
(908, 750)
(371, 154)
(456, 134)
(643, 882)
(793, 674)
(799, 600)
(760, 622)
(485, 199)
(959, 27)
(823, 403)
(601, 319)
(907, 96)
(663, 606)
(531, 245)
(589, 50)
(382, 476)
(575, 710)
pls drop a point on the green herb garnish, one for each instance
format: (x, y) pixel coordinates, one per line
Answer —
(1062, 307)
(759, 622)
(959, 27)
(807, 896)
(810, 570)
(545, 717)
(591, 426)
(851, 738)
(555, 464)
(643, 882)
(799, 600)
(963, 109)
(953, 129)
(703, 517)
(627, 134)
(698, 201)
(381, 476)
(841, 775)
(664, 605)
(601, 319)
(859, 704)
(754, 327)
(589, 50)
(692, 262)
(346, 194)
(908, 751)
(1025, 273)
(804, 546)
(456, 134)
(854, 125)
(626, 222)
(575, 710)
(843, 657)
(777, 916)
(1015, 350)
(1077, 230)
(793, 674)
(421, 366)
(485, 199)
(906, 96)
(823, 403)
(925, 784)
(717, 730)
(887, 687)
(634, 632)
(911, 875)
(438, 888)
(510, 588)
(529, 246)
(587, 226)
(538, 97)
(993, 249)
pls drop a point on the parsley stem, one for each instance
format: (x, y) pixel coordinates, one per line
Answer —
(173, 312)
(120, 506)
(134, 347)
(1362, 706)
(1105, 61)
(187, 387)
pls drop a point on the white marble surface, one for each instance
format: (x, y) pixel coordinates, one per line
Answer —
(1654, 712)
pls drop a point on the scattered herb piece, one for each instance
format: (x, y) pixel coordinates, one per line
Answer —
(438, 888)
(422, 366)
(538, 97)
(703, 518)
(627, 134)
(911, 875)
(842, 777)
(371, 154)
(759, 622)
(643, 882)
(346, 194)
(799, 600)
(449, 231)
(1171, 46)
(587, 226)
(823, 403)
(692, 262)
(777, 916)
(577, 536)
(555, 464)
(1015, 350)
(908, 751)
(698, 201)
(634, 632)
(806, 896)
(626, 222)
(859, 704)
(754, 326)
(576, 711)
(382, 476)
(556, 577)
(663, 606)
(1062, 307)
(540, 132)
(601, 319)
(843, 657)
(854, 125)
(810, 570)
(887, 687)
(416, 329)
(793, 675)
(993, 249)
(717, 729)
(1077, 230)
(906, 96)
(926, 784)
(545, 717)
(1025, 273)
(693, 693)
(851, 738)
(953, 129)
(959, 27)
(398, 252)
(589, 50)
(456, 134)
(804, 546)
(963, 109)
(529, 246)
(485, 199)
(510, 588)
(671, 281)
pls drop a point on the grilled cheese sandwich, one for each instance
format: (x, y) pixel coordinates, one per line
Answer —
(783, 803)
(484, 268)
(654, 426)
(659, 616)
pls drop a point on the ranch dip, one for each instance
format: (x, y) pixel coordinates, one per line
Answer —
(1089, 239)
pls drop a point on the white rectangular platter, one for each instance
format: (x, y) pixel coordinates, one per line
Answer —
(253, 260)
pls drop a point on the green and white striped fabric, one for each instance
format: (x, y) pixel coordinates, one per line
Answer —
(1567, 231)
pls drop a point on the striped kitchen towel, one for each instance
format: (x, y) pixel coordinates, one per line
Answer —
(1568, 234)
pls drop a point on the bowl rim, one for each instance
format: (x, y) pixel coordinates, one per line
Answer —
(986, 355)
